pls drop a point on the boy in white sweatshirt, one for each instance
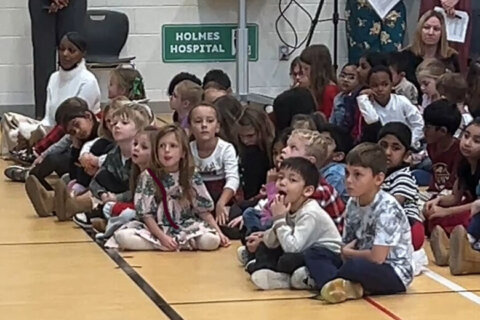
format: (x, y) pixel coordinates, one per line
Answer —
(379, 106)
(298, 224)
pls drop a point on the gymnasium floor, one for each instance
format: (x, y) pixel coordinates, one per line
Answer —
(53, 270)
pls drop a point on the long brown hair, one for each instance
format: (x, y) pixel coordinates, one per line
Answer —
(264, 128)
(229, 109)
(151, 132)
(418, 47)
(186, 166)
(321, 69)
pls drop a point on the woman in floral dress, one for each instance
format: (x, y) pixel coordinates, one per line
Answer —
(366, 31)
(172, 203)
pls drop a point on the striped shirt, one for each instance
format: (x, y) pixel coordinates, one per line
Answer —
(402, 183)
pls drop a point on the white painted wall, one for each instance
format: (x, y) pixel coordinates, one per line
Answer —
(267, 75)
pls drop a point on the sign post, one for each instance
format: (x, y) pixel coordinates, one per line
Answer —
(205, 43)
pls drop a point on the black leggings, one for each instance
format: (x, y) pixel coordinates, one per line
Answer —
(54, 162)
(276, 260)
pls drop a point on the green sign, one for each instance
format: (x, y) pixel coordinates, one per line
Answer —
(205, 42)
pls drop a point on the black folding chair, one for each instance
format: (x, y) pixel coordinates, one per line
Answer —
(106, 33)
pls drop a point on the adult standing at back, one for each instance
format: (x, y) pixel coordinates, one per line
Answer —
(367, 31)
(450, 6)
(429, 42)
(51, 20)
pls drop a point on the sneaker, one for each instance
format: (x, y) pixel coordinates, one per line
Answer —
(419, 261)
(242, 255)
(270, 280)
(23, 157)
(82, 220)
(249, 265)
(340, 290)
(16, 173)
(301, 279)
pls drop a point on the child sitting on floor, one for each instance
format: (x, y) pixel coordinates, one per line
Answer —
(398, 67)
(395, 139)
(453, 87)
(311, 146)
(379, 106)
(444, 213)
(82, 126)
(185, 96)
(377, 254)
(215, 159)
(442, 120)
(340, 143)
(111, 183)
(298, 224)
(171, 201)
(343, 105)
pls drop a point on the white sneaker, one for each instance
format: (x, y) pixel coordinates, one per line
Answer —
(301, 279)
(242, 255)
(270, 280)
(419, 261)
(82, 220)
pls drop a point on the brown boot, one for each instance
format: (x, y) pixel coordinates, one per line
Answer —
(41, 198)
(463, 259)
(99, 225)
(440, 246)
(66, 206)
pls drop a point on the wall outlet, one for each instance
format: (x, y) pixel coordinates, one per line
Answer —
(283, 53)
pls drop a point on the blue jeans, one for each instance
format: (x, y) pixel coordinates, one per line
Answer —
(252, 221)
(325, 265)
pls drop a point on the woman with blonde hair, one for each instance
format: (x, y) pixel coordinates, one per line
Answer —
(430, 42)
(450, 6)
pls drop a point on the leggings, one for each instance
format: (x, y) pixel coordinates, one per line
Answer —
(128, 240)
(56, 162)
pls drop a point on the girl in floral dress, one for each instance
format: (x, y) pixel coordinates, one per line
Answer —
(366, 31)
(172, 203)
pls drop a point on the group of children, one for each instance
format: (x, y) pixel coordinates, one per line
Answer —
(312, 211)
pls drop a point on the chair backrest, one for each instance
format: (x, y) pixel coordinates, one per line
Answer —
(106, 32)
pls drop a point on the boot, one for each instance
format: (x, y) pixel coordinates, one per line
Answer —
(99, 225)
(440, 246)
(41, 198)
(66, 206)
(463, 259)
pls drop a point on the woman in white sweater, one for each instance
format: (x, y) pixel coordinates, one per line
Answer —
(71, 80)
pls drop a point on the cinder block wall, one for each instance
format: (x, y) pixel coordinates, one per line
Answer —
(267, 76)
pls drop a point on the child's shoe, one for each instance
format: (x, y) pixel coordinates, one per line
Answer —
(99, 225)
(17, 173)
(340, 290)
(270, 280)
(41, 198)
(301, 279)
(82, 220)
(440, 246)
(242, 255)
(419, 261)
(463, 258)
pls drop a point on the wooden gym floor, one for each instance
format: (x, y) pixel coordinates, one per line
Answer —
(51, 270)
